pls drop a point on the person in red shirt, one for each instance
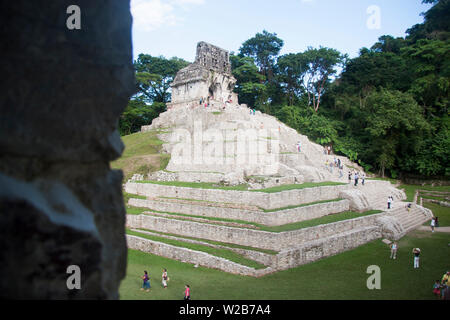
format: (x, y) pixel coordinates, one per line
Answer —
(187, 292)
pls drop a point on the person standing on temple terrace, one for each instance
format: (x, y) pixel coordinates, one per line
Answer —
(389, 202)
(349, 177)
(363, 178)
(433, 224)
(356, 179)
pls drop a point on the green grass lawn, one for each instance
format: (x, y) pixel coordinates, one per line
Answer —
(319, 221)
(335, 278)
(301, 205)
(142, 154)
(243, 187)
(443, 213)
(410, 190)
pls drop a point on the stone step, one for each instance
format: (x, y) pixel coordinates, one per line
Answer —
(411, 220)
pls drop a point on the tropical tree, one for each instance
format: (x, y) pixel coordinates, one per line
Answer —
(154, 75)
(263, 48)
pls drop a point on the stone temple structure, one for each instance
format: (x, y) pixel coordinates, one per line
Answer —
(209, 78)
(261, 174)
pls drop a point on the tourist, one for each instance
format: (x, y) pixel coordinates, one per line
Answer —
(329, 150)
(409, 207)
(437, 289)
(363, 178)
(326, 164)
(389, 202)
(146, 282)
(299, 146)
(165, 278)
(433, 224)
(394, 247)
(416, 254)
(349, 177)
(356, 179)
(187, 292)
(445, 286)
(392, 202)
(339, 162)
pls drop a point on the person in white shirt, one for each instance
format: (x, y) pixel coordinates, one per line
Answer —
(433, 224)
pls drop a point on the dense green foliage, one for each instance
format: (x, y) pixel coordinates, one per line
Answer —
(154, 76)
(386, 108)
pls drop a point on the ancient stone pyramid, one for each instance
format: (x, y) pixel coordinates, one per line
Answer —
(212, 138)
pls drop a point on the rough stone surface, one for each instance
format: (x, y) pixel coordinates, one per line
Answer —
(248, 237)
(276, 218)
(209, 78)
(62, 93)
(358, 201)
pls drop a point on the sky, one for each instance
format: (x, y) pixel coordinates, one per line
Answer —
(174, 27)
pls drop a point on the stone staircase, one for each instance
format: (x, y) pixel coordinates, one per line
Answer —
(413, 219)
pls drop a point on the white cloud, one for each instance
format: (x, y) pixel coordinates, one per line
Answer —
(149, 15)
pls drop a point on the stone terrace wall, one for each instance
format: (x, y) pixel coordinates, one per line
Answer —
(267, 201)
(307, 253)
(248, 237)
(276, 218)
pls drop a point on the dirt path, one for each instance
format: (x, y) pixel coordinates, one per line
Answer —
(440, 229)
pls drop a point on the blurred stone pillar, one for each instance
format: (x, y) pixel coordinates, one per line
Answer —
(62, 92)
